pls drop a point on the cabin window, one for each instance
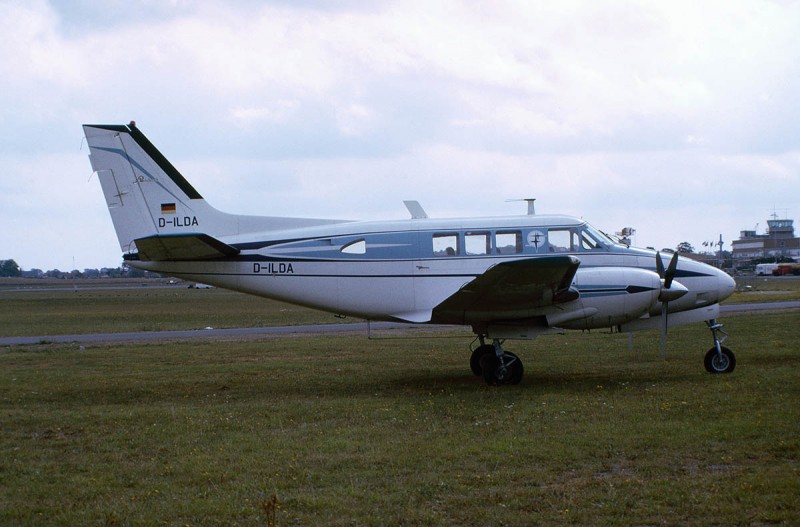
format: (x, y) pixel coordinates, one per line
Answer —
(508, 242)
(445, 244)
(477, 243)
(562, 240)
(356, 247)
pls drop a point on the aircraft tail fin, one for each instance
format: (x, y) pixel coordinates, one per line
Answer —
(149, 199)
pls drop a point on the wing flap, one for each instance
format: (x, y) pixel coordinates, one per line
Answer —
(182, 247)
(511, 290)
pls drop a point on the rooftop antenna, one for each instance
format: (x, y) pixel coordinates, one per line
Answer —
(531, 206)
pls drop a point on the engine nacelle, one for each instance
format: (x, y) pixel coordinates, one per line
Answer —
(609, 296)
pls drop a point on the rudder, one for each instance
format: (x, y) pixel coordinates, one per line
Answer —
(145, 193)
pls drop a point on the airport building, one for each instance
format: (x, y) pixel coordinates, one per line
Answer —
(779, 240)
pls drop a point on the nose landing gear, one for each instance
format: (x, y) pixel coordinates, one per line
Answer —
(719, 359)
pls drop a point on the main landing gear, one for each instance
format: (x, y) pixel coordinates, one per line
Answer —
(497, 366)
(719, 359)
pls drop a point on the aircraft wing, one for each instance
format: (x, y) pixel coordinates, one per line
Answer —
(162, 247)
(511, 290)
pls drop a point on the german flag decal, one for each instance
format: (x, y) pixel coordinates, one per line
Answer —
(167, 208)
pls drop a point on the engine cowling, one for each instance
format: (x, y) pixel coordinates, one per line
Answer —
(609, 296)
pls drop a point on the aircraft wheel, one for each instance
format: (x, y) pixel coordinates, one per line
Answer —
(477, 355)
(715, 363)
(496, 375)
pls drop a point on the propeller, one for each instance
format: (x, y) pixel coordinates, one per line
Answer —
(670, 290)
(669, 276)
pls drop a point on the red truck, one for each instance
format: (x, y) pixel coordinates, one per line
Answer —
(784, 269)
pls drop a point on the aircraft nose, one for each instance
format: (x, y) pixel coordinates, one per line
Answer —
(725, 285)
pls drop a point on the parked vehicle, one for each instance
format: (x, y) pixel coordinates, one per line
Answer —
(765, 268)
(787, 269)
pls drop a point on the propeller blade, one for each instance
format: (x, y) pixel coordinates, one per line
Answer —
(667, 276)
(670, 274)
(659, 265)
(664, 315)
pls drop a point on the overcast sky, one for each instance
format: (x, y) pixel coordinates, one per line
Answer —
(680, 119)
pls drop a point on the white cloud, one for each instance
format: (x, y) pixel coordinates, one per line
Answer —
(54, 212)
(651, 114)
(355, 119)
(31, 47)
(273, 112)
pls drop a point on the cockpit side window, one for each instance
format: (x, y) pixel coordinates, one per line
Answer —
(600, 239)
(445, 244)
(588, 243)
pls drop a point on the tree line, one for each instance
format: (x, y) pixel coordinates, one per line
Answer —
(10, 269)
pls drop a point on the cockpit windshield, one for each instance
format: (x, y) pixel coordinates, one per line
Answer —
(595, 238)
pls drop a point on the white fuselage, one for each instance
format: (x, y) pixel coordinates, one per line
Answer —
(401, 270)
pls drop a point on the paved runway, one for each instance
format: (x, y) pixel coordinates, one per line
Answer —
(359, 327)
(764, 306)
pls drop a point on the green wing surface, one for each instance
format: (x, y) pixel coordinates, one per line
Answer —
(511, 290)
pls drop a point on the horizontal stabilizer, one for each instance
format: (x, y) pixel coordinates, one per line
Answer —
(182, 247)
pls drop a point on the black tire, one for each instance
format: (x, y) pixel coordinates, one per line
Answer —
(495, 375)
(477, 355)
(715, 363)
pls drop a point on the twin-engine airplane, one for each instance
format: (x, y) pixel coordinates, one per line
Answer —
(508, 278)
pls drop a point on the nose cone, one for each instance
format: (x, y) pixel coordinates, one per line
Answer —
(725, 285)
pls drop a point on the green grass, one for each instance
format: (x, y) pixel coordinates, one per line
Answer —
(348, 431)
(752, 289)
(82, 306)
(90, 310)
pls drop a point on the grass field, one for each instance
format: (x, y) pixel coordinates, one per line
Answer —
(63, 307)
(765, 289)
(347, 431)
(46, 310)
